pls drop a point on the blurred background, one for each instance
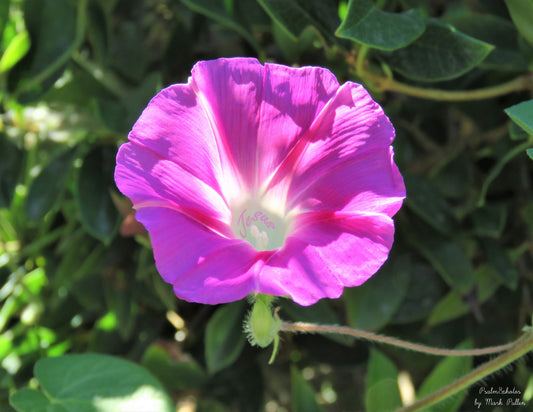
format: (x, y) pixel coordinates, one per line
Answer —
(77, 273)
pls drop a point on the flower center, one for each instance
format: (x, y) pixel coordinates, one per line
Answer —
(264, 229)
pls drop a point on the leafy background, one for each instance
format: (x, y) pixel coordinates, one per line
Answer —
(78, 275)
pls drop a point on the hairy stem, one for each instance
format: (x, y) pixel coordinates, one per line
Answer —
(310, 328)
(522, 346)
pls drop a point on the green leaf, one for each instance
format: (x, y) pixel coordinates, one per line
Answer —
(447, 371)
(120, 115)
(52, 29)
(517, 133)
(217, 10)
(381, 379)
(521, 12)
(383, 397)
(372, 27)
(379, 368)
(522, 115)
(122, 304)
(224, 337)
(501, 262)
(425, 289)
(496, 31)
(448, 258)
(489, 220)
(295, 15)
(303, 398)
(17, 49)
(530, 153)
(29, 400)
(175, 375)
(427, 202)
(440, 53)
(453, 305)
(97, 383)
(10, 169)
(98, 213)
(373, 304)
(45, 191)
(127, 54)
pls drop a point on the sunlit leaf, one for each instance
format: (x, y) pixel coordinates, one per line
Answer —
(16, 50)
(94, 382)
(522, 115)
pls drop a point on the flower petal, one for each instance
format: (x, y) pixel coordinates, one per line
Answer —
(150, 180)
(370, 182)
(175, 126)
(292, 97)
(230, 91)
(202, 266)
(350, 126)
(326, 253)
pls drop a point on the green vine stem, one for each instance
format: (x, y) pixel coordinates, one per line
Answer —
(343, 330)
(522, 82)
(521, 346)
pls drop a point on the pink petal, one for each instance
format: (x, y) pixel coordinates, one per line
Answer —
(370, 182)
(260, 112)
(202, 266)
(150, 180)
(350, 126)
(230, 91)
(326, 253)
(292, 97)
(175, 126)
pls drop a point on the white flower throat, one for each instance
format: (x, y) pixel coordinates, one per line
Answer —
(263, 229)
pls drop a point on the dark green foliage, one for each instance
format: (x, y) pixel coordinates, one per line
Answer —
(77, 275)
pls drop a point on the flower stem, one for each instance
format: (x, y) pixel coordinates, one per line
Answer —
(522, 346)
(310, 328)
(388, 84)
(360, 63)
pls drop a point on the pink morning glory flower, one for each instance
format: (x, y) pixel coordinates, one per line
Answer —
(267, 179)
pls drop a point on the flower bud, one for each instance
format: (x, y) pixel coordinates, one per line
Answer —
(262, 325)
